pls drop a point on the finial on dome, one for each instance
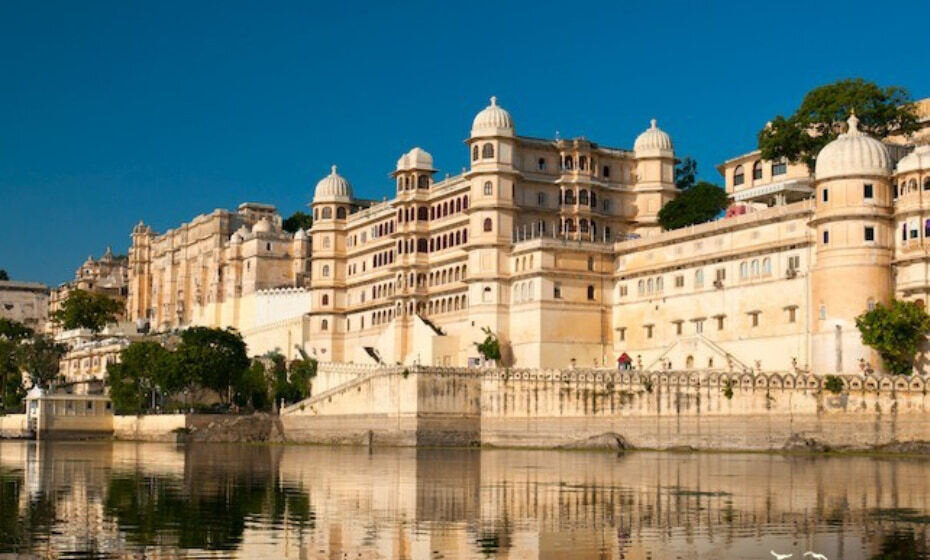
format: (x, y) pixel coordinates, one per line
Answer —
(853, 123)
(494, 101)
(333, 168)
(652, 123)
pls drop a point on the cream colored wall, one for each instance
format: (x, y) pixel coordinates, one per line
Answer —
(728, 169)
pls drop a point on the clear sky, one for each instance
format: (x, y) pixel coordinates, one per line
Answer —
(112, 112)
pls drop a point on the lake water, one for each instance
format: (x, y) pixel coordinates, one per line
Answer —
(127, 500)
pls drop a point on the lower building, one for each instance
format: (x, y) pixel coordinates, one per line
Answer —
(24, 302)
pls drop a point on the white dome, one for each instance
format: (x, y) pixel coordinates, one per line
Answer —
(492, 121)
(301, 234)
(417, 158)
(653, 142)
(263, 226)
(853, 153)
(236, 238)
(918, 160)
(333, 188)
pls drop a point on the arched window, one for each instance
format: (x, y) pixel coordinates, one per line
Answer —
(569, 197)
(487, 151)
(474, 152)
(660, 284)
(591, 293)
(606, 171)
(324, 300)
(593, 199)
(464, 236)
(488, 188)
(326, 242)
(325, 271)
(757, 171)
(755, 269)
(445, 209)
(465, 202)
(422, 182)
(699, 278)
(927, 184)
(316, 213)
(567, 162)
(870, 304)
(458, 204)
(766, 266)
(738, 177)
(488, 225)
(569, 225)
(650, 286)
(421, 213)
(327, 213)
(541, 164)
(421, 245)
(583, 225)
(458, 238)
(324, 325)
(340, 213)
(912, 185)
(583, 197)
(591, 263)
(744, 270)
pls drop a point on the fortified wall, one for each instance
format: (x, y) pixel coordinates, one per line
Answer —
(579, 408)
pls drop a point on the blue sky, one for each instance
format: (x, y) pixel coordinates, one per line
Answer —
(112, 112)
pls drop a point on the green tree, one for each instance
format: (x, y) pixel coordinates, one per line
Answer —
(896, 332)
(300, 373)
(823, 114)
(297, 220)
(38, 358)
(701, 203)
(214, 358)
(685, 173)
(490, 347)
(252, 387)
(145, 370)
(4, 275)
(12, 390)
(83, 309)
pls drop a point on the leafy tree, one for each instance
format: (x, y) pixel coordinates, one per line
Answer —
(39, 358)
(686, 173)
(895, 332)
(145, 369)
(701, 203)
(300, 373)
(252, 388)
(214, 358)
(4, 275)
(297, 220)
(490, 347)
(823, 113)
(12, 391)
(83, 309)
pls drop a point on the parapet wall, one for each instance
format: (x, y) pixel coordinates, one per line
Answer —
(597, 408)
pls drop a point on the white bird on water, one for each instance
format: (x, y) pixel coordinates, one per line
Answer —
(780, 556)
(815, 556)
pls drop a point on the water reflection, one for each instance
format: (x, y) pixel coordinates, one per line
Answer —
(109, 500)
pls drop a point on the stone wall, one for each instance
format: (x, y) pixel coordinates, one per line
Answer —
(598, 408)
(13, 426)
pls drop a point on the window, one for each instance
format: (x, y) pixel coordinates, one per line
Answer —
(868, 191)
(927, 184)
(721, 322)
(324, 325)
(826, 237)
(621, 334)
(648, 330)
(698, 278)
(591, 263)
(766, 266)
(606, 171)
(679, 281)
(757, 171)
(541, 199)
(557, 290)
(779, 168)
(474, 152)
(869, 233)
(641, 287)
(583, 197)
(823, 312)
(327, 213)
(698, 326)
(721, 274)
(792, 314)
(738, 177)
(623, 290)
(325, 271)
(754, 318)
(755, 269)
(325, 299)
(678, 327)
(659, 284)
(422, 182)
(590, 293)
(870, 304)
(794, 262)
(826, 195)
(541, 164)
(488, 188)
(488, 225)
(487, 151)
(743, 270)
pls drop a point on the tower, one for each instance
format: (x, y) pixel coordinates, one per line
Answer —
(854, 245)
(332, 202)
(655, 177)
(492, 177)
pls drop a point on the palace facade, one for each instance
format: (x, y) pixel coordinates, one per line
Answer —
(554, 245)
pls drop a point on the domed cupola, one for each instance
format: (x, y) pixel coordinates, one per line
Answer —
(918, 160)
(263, 226)
(653, 142)
(853, 153)
(417, 158)
(333, 188)
(492, 121)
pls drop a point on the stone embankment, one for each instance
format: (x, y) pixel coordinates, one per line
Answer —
(199, 428)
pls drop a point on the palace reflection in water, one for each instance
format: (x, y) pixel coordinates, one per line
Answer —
(149, 500)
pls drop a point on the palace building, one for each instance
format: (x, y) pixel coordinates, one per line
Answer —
(554, 245)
